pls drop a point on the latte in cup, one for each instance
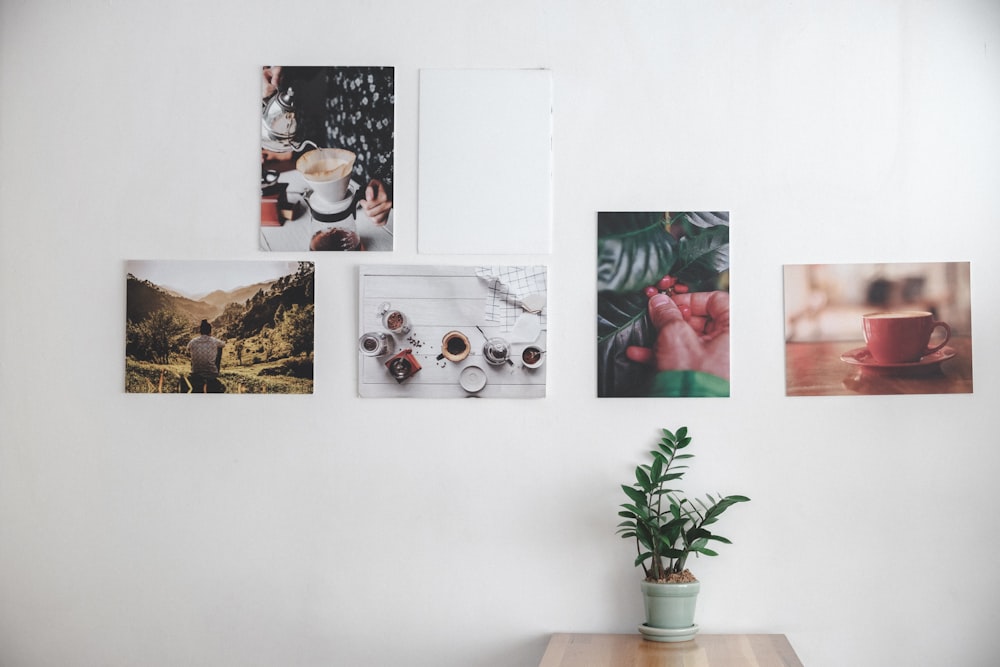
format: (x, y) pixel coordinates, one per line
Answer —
(897, 337)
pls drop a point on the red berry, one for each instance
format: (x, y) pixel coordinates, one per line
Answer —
(666, 282)
(651, 291)
(681, 288)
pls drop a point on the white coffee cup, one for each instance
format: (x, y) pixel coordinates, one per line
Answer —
(327, 171)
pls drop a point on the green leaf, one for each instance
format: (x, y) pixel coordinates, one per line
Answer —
(641, 513)
(656, 471)
(633, 250)
(697, 534)
(703, 255)
(643, 478)
(641, 558)
(713, 513)
(623, 321)
(707, 552)
(635, 494)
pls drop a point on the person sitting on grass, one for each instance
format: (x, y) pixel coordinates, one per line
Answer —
(206, 359)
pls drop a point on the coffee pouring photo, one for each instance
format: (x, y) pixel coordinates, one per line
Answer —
(327, 150)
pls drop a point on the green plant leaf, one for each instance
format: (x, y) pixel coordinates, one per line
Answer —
(656, 470)
(635, 494)
(697, 534)
(644, 479)
(640, 513)
(622, 321)
(633, 250)
(702, 257)
(713, 513)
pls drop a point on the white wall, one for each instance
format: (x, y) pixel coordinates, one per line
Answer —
(139, 530)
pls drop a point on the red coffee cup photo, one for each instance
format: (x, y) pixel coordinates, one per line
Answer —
(898, 337)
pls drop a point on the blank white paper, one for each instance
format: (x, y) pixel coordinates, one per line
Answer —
(485, 178)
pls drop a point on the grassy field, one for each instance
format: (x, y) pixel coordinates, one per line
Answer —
(142, 377)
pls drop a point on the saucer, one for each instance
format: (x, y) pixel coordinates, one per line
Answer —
(472, 379)
(668, 635)
(860, 356)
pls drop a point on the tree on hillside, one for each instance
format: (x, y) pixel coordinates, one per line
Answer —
(295, 328)
(230, 318)
(154, 338)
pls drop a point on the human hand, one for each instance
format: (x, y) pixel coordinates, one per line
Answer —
(376, 203)
(692, 333)
(272, 77)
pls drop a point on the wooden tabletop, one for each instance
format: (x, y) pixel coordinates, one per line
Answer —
(579, 650)
(816, 369)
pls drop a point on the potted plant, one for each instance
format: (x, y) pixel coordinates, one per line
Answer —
(668, 527)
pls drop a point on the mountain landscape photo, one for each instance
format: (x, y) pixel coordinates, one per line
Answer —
(263, 312)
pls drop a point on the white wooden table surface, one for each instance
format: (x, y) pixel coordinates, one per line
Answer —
(439, 299)
(295, 235)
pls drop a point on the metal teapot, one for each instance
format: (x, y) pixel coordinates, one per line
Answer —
(279, 125)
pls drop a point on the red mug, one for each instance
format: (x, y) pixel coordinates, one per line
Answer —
(899, 337)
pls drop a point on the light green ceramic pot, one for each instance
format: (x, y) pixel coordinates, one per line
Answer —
(670, 606)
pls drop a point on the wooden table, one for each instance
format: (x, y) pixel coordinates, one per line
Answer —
(816, 369)
(580, 650)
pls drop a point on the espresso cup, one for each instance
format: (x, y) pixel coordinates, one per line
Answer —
(531, 356)
(898, 337)
(375, 344)
(455, 346)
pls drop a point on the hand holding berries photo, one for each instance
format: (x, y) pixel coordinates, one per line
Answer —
(674, 261)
